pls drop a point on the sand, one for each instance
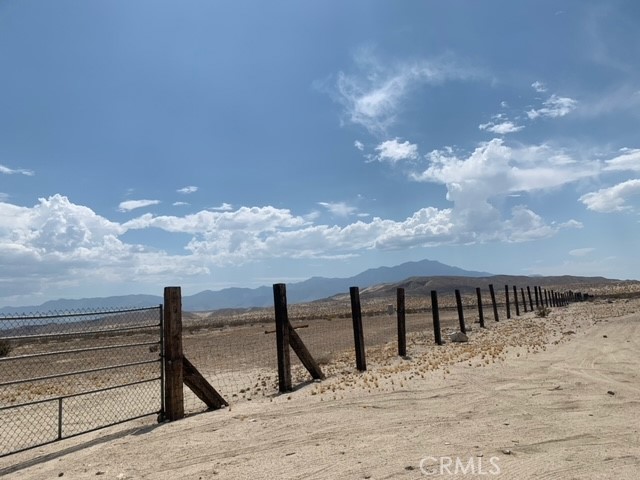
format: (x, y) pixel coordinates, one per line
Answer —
(538, 398)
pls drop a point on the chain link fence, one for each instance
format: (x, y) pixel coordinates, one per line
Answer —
(67, 373)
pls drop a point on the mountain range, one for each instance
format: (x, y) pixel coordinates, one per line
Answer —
(314, 288)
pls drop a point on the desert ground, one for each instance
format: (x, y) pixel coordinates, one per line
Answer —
(530, 397)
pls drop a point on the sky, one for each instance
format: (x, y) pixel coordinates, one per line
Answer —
(244, 143)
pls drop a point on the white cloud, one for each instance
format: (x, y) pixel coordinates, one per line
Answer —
(581, 252)
(373, 97)
(628, 160)
(129, 205)
(393, 151)
(359, 145)
(539, 86)
(180, 204)
(244, 220)
(495, 169)
(476, 182)
(501, 128)
(187, 190)
(340, 209)
(58, 243)
(612, 199)
(12, 171)
(554, 107)
(224, 207)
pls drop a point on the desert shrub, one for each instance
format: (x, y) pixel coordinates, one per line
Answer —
(543, 312)
(5, 348)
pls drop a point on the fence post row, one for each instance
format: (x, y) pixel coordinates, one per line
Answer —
(402, 330)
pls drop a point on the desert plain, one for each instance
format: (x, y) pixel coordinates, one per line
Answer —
(532, 397)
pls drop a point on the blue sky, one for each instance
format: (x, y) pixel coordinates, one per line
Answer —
(216, 144)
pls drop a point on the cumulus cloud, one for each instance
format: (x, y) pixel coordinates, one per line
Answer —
(612, 199)
(187, 190)
(374, 95)
(495, 168)
(340, 209)
(13, 171)
(133, 204)
(554, 107)
(394, 151)
(501, 128)
(629, 160)
(58, 241)
(180, 204)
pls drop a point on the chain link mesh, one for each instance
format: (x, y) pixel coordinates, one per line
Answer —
(66, 373)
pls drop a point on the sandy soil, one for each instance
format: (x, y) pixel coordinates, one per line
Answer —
(541, 398)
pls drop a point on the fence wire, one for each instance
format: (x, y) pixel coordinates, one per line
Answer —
(66, 373)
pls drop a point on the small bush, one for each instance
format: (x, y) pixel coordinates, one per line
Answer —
(543, 312)
(5, 348)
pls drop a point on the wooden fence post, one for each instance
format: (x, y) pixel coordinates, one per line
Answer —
(524, 300)
(358, 334)
(304, 355)
(546, 297)
(535, 289)
(515, 300)
(506, 301)
(480, 313)
(282, 337)
(463, 329)
(493, 301)
(530, 300)
(435, 313)
(173, 356)
(402, 330)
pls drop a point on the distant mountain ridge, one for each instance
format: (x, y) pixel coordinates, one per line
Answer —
(314, 288)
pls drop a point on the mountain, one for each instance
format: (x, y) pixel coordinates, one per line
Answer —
(312, 289)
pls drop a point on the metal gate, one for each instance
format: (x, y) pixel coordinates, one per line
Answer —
(64, 374)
